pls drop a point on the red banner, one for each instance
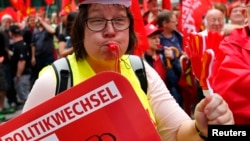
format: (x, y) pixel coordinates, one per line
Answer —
(192, 12)
(107, 110)
(19, 5)
(73, 5)
(139, 29)
(49, 2)
(10, 11)
(166, 4)
(66, 5)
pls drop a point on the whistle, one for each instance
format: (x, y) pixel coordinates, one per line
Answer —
(112, 46)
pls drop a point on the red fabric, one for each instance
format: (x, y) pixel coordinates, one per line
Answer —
(145, 19)
(194, 50)
(49, 2)
(32, 11)
(160, 68)
(145, 3)
(231, 74)
(63, 12)
(20, 7)
(188, 86)
(207, 62)
(28, 3)
(73, 5)
(191, 15)
(139, 29)
(219, 1)
(151, 29)
(18, 4)
(166, 4)
(66, 5)
(11, 11)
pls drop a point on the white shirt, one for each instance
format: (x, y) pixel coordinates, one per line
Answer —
(169, 116)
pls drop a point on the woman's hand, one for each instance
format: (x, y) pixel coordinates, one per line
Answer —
(212, 110)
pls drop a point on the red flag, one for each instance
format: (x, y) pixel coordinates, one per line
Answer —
(49, 2)
(18, 4)
(145, 7)
(73, 6)
(11, 11)
(219, 1)
(20, 7)
(66, 5)
(28, 3)
(191, 14)
(166, 4)
(139, 29)
(32, 11)
(28, 8)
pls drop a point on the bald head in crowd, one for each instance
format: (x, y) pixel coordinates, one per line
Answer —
(214, 20)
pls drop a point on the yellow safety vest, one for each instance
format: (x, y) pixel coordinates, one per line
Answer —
(81, 71)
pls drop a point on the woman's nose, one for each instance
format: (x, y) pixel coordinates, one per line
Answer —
(109, 30)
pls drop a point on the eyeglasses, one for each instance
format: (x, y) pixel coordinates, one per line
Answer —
(98, 24)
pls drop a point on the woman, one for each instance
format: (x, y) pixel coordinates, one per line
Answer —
(64, 40)
(102, 36)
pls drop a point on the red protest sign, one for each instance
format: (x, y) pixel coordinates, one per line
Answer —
(107, 110)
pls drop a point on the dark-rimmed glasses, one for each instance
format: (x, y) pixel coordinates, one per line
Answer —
(99, 24)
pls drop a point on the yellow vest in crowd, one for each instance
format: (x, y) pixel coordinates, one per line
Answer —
(82, 71)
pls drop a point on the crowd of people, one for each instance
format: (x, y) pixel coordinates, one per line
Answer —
(86, 42)
(27, 47)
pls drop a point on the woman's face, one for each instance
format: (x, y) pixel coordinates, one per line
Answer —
(96, 42)
(154, 41)
(237, 16)
(32, 22)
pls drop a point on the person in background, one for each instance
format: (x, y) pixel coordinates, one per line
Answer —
(61, 26)
(236, 15)
(153, 56)
(222, 7)
(42, 45)
(150, 16)
(54, 19)
(64, 41)
(60, 29)
(6, 22)
(20, 64)
(214, 21)
(3, 82)
(231, 71)
(171, 42)
(103, 37)
(27, 33)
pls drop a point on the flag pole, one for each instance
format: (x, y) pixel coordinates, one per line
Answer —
(47, 11)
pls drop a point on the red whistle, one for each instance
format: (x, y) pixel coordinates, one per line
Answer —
(159, 46)
(112, 46)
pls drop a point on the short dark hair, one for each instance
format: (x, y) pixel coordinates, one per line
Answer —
(77, 32)
(164, 15)
(15, 30)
